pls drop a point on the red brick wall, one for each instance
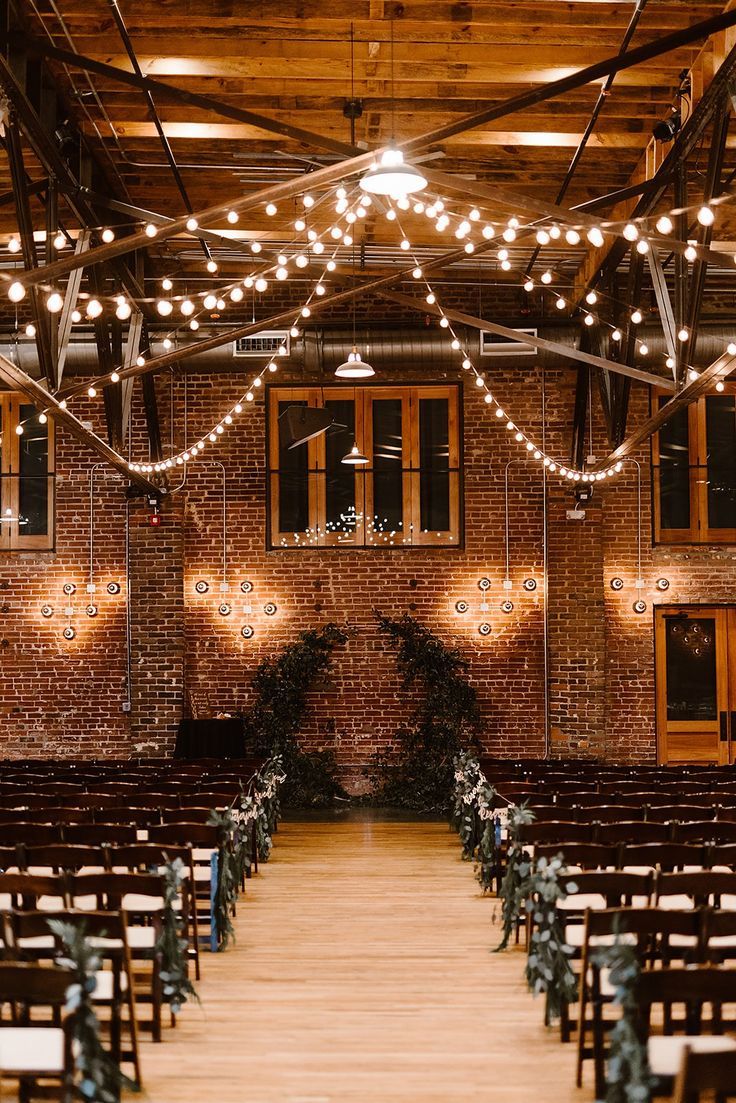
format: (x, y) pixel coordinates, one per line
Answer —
(67, 698)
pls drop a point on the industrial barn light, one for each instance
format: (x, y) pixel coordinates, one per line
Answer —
(355, 457)
(298, 424)
(393, 176)
(354, 367)
(667, 129)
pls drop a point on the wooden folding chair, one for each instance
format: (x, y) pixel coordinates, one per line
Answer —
(713, 1071)
(34, 1051)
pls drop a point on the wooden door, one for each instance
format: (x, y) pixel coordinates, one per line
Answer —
(694, 698)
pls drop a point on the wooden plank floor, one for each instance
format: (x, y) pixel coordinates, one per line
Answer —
(362, 972)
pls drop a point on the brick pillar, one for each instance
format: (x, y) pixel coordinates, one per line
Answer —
(577, 630)
(157, 628)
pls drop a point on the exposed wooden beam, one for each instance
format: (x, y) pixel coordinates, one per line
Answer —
(568, 352)
(70, 303)
(19, 380)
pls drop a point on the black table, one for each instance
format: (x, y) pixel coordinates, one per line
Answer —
(211, 739)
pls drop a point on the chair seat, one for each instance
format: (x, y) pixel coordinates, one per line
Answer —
(141, 938)
(676, 902)
(202, 854)
(575, 937)
(105, 985)
(37, 942)
(579, 901)
(686, 940)
(136, 902)
(31, 1049)
(665, 1052)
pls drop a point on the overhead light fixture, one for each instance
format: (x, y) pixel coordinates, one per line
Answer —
(355, 457)
(666, 129)
(393, 177)
(354, 367)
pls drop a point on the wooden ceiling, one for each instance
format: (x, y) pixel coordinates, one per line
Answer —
(412, 65)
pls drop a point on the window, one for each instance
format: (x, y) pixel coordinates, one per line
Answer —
(694, 472)
(26, 477)
(409, 492)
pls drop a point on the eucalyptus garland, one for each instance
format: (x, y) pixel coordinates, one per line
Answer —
(473, 817)
(226, 888)
(515, 884)
(171, 946)
(446, 720)
(281, 686)
(101, 1079)
(629, 1079)
(548, 966)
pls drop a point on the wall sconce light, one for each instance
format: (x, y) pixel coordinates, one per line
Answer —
(484, 584)
(246, 587)
(91, 610)
(617, 584)
(69, 589)
(269, 609)
(461, 606)
(484, 629)
(663, 584)
(201, 587)
(530, 584)
(113, 588)
(507, 606)
(47, 610)
(247, 632)
(225, 610)
(640, 606)
(69, 633)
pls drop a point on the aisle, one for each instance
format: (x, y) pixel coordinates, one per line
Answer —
(361, 972)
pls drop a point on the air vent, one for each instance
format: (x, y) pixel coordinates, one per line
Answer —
(493, 345)
(266, 343)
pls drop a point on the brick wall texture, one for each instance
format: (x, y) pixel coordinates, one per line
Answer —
(71, 698)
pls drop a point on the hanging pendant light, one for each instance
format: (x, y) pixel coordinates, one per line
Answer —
(355, 457)
(354, 367)
(393, 177)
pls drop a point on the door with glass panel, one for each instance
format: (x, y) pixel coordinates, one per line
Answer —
(696, 683)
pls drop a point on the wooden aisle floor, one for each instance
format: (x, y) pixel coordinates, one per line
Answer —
(362, 972)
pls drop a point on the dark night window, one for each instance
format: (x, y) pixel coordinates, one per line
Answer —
(26, 477)
(408, 494)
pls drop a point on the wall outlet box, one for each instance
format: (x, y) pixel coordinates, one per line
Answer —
(575, 514)
(126, 706)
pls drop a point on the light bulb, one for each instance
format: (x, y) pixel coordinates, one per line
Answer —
(232, 217)
(187, 307)
(150, 230)
(166, 284)
(506, 265)
(572, 237)
(630, 231)
(94, 308)
(108, 235)
(114, 377)
(194, 324)
(509, 234)
(140, 361)
(167, 343)
(14, 245)
(731, 350)
(546, 277)
(261, 284)
(554, 232)
(282, 273)
(706, 215)
(308, 201)
(616, 335)
(589, 320)
(59, 241)
(319, 289)
(236, 295)
(212, 266)
(431, 298)
(54, 302)
(417, 273)
(192, 224)
(164, 307)
(642, 246)
(692, 375)
(123, 311)
(591, 298)
(405, 245)
(691, 252)
(16, 292)
(664, 224)
(30, 330)
(301, 261)
(19, 430)
(529, 285)
(595, 237)
(92, 392)
(542, 237)
(719, 385)
(670, 362)
(221, 304)
(42, 418)
(76, 316)
(636, 317)
(210, 301)
(479, 381)
(683, 334)
(643, 349)
(271, 209)
(560, 304)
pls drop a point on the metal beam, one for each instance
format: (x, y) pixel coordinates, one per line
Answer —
(130, 355)
(18, 380)
(711, 188)
(70, 303)
(664, 303)
(566, 351)
(150, 405)
(719, 369)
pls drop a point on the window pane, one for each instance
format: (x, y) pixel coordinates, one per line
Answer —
(674, 471)
(340, 505)
(720, 419)
(434, 464)
(33, 511)
(293, 483)
(388, 480)
(691, 668)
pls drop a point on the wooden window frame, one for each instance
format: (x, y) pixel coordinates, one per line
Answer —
(11, 539)
(365, 394)
(699, 531)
